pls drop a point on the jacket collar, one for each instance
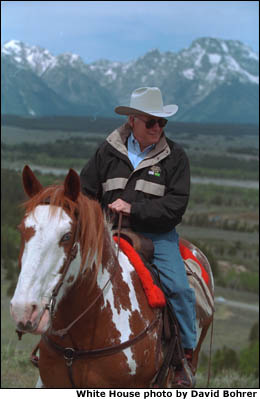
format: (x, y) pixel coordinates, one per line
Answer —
(118, 139)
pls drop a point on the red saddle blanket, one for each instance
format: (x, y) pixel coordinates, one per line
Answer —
(187, 254)
(154, 294)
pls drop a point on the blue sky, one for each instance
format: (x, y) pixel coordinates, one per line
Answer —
(126, 30)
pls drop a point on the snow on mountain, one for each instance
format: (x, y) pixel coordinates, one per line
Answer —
(207, 62)
(33, 57)
(37, 58)
(187, 78)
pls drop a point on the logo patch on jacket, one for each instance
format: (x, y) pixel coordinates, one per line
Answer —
(155, 171)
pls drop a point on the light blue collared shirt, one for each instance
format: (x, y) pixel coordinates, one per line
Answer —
(134, 151)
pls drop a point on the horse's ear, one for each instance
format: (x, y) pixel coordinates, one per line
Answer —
(72, 185)
(31, 184)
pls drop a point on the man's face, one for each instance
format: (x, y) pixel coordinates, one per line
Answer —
(144, 135)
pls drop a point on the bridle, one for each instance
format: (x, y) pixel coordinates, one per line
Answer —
(51, 305)
(72, 255)
(52, 302)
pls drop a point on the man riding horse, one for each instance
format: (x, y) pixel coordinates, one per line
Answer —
(145, 176)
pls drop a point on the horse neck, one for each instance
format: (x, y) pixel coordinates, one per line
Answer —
(118, 299)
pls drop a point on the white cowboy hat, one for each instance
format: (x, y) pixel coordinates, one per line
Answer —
(147, 101)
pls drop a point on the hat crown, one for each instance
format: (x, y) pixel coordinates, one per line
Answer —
(147, 99)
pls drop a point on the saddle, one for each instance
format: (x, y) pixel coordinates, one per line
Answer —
(143, 246)
(196, 264)
(200, 279)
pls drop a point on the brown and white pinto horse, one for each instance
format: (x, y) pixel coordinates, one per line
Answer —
(95, 295)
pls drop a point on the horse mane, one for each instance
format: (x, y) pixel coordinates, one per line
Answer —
(87, 211)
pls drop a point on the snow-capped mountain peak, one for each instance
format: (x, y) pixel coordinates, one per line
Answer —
(188, 77)
(34, 57)
(38, 59)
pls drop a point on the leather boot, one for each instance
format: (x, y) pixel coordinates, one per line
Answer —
(184, 376)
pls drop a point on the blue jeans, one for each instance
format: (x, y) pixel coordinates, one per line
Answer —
(175, 283)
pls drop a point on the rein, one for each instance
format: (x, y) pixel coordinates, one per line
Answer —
(72, 255)
(64, 331)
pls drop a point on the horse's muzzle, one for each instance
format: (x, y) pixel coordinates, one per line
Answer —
(25, 327)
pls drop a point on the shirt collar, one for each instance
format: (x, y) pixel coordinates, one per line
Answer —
(137, 146)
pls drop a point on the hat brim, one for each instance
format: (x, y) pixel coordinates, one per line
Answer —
(168, 110)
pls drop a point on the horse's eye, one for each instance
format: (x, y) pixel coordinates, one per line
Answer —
(66, 237)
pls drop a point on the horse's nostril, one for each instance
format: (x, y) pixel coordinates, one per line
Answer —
(25, 327)
(20, 325)
(28, 325)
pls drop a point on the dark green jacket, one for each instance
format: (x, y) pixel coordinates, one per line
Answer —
(158, 189)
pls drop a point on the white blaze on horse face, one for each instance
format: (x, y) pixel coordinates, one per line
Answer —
(121, 317)
(41, 263)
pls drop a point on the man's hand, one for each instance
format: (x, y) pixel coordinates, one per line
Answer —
(120, 206)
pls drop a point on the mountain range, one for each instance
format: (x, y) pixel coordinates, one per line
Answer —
(214, 80)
